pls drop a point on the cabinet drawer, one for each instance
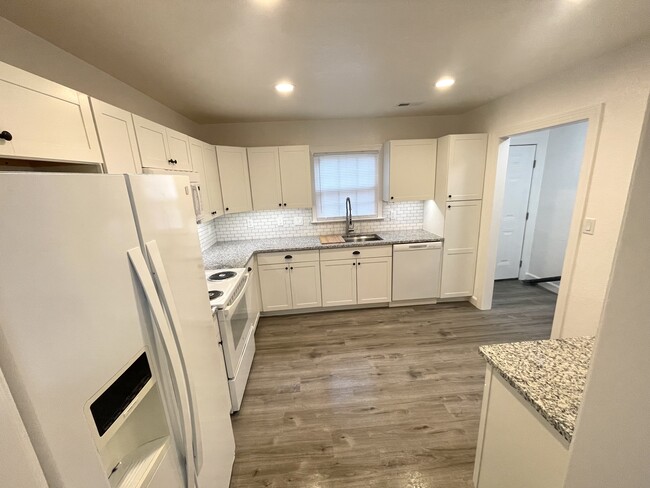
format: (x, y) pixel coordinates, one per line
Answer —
(281, 257)
(356, 252)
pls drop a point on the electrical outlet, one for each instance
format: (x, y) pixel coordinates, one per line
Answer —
(279, 221)
(250, 222)
(297, 221)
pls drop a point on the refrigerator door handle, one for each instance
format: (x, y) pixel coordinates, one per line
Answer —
(167, 299)
(142, 271)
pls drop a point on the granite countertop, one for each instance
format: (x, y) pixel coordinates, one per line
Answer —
(235, 254)
(550, 375)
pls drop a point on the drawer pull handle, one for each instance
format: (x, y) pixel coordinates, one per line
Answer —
(356, 253)
(288, 256)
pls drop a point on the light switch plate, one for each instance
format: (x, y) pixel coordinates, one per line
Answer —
(589, 226)
(297, 221)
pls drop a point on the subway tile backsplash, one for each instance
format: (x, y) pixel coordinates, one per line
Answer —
(297, 222)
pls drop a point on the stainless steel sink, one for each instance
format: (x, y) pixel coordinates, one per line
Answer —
(361, 238)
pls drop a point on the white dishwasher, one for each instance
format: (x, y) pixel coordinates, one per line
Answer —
(416, 270)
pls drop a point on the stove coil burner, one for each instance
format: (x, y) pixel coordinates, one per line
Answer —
(223, 275)
(215, 294)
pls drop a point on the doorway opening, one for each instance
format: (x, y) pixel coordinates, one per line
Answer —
(542, 176)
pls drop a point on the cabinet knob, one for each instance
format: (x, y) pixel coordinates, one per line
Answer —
(227, 209)
(356, 253)
(6, 135)
(279, 204)
(448, 206)
(214, 213)
(391, 198)
(358, 263)
(354, 264)
(291, 267)
(170, 161)
(287, 267)
(284, 204)
(250, 269)
(449, 196)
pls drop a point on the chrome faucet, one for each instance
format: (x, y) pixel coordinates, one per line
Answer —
(349, 226)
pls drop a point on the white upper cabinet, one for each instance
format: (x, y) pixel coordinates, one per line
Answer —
(212, 179)
(280, 177)
(295, 170)
(179, 150)
(409, 170)
(152, 143)
(196, 152)
(461, 167)
(42, 120)
(161, 147)
(235, 181)
(117, 138)
(266, 185)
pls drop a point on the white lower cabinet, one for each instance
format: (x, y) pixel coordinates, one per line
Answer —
(290, 283)
(339, 281)
(365, 277)
(374, 280)
(275, 287)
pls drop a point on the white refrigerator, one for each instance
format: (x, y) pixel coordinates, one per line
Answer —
(107, 342)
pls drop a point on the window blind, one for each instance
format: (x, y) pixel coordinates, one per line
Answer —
(341, 175)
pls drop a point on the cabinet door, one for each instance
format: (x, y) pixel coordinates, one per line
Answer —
(412, 170)
(46, 121)
(462, 221)
(196, 152)
(117, 138)
(212, 180)
(374, 279)
(339, 282)
(152, 143)
(264, 169)
(235, 181)
(179, 150)
(305, 285)
(275, 287)
(295, 168)
(466, 167)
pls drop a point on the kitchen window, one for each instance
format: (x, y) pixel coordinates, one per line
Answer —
(338, 175)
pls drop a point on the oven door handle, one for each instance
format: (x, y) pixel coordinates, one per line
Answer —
(226, 310)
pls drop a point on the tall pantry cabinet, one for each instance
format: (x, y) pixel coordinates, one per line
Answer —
(460, 173)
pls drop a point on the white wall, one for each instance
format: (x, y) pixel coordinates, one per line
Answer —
(610, 444)
(343, 132)
(27, 51)
(621, 81)
(553, 209)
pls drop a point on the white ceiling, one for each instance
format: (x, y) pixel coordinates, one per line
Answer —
(218, 60)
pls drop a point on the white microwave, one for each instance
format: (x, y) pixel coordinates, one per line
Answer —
(195, 187)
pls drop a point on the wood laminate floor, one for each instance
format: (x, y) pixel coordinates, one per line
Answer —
(375, 398)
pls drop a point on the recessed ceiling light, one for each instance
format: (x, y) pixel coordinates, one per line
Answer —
(445, 82)
(284, 87)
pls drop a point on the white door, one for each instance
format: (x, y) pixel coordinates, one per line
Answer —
(179, 150)
(213, 180)
(339, 282)
(152, 143)
(45, 120)
(117, 138)
(295, 168)
(412, 169)
(462, 221)
(374, 280)
(305, 285)
(275, 287)
(466, 167)
(519, 175)
(264, 169)
(235, 180)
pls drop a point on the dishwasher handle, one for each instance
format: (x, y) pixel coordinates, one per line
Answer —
(417, 246)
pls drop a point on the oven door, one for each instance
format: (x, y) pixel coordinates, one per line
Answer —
(235, 324)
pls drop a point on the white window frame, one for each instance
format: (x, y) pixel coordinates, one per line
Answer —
(378, 148)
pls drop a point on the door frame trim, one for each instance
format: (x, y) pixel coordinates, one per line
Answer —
(498, 142)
